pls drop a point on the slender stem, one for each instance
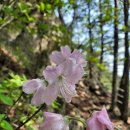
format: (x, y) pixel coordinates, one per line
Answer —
(78, 119)
(43, 106)
(18, 98)
(5, 116)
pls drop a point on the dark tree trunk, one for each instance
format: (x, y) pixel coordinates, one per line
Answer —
(124, 84)
(102, 37)
(90, 42)
(115, 62)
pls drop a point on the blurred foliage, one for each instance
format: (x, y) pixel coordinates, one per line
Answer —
(5, 125)
(9, 92)
(11, 87)
(106, 79)
(31, 31)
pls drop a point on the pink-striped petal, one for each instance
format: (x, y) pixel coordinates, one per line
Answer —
(57, 57)
(66, 52)
(94, 124)
(104, 119)
(51, 93)
(67, 90)
(51, 74)
(38, 97)
(53, 122)
(68, 66)
(75, 75)
(79, 58)
(30, 86)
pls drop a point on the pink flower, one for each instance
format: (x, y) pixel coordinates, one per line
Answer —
(62, 79)
(53, 122)
(36, 87)
(100, 121)
(79, 58)
(65, 53)
(59, 57)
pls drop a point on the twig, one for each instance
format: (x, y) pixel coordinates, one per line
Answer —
(18, 98)
(11, 107)
(43, 106)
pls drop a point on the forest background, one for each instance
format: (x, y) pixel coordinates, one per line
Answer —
(31, 30)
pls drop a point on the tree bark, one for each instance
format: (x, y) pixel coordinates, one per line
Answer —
(102, 38)
(124, 84)
(90, 42)
(115, 61)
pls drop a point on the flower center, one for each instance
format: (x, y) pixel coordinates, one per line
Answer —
(60, 77)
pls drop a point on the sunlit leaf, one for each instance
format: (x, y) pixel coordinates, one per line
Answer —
(5, 125)
(42, 6)
(2, 116)
(72, 2)
(6, 99)
(24, 8)
(124, 28)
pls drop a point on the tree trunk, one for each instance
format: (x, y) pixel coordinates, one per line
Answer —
(115, 62)
(102, 38)
(124, 84)
(90, 42)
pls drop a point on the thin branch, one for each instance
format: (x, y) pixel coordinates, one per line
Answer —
(74, 17)
(19, 98)
(61, 16)
(42, 107)
(62, 19)
(5, 116)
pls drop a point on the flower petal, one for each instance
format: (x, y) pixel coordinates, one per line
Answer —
(50, 74)
(57, 57)
(38, 97)
(76, 74)
(94, 124)
(52, 122)
(66, 52)
(68, 66)
(51, 93)
(104, 119)
(52, 116)
(60, 69)
(67, 90)
(79, 58)
(31, 86)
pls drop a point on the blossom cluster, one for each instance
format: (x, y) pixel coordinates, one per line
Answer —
(61, 79)
(99, 121)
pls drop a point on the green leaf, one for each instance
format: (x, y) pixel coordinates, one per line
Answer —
(6, 99)
(56, 105)
(42, 6)
(93, 59)
(57, 2)
(101, 67)
(8, 10)
(30, 128)
(72, 2)
(38, 6)
(5, 125)
(123, 59)
(2, 116)
(49, 8)
(124, 28)
(24, 8)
